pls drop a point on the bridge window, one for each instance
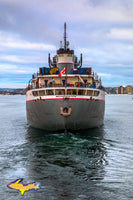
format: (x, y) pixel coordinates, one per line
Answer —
(81, 92)
(69, 92)
(41, 92)
(59, 92)
(35, 93)
(72, 92)
(49, 92)
(96, 93)
(89, 92)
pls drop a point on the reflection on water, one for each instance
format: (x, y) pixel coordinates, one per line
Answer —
(93, 164)
(68, 162)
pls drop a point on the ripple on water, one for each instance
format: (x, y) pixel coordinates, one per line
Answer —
(92, 164)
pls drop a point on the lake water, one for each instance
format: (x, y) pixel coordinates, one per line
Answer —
(95, 165)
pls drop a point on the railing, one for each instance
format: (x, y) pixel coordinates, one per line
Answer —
(66, 91)
(50, 85)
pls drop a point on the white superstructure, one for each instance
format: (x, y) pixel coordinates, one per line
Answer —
(65, 95)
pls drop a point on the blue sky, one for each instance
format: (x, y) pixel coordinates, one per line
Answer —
(100, 29)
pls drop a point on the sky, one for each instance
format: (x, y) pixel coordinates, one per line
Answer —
(102, 30)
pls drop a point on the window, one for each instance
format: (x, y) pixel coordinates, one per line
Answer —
(49, 92)
(74, 92)
(35, 93)
(59, 92)
(81, 92)
(42, 93)
(89, 92)
(69, 92)
(96, 93)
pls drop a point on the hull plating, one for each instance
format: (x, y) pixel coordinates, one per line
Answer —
(45, 114)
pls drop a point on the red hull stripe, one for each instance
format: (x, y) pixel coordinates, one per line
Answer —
(66, 99)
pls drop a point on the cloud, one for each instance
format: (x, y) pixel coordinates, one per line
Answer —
(119, 65)
(43, 20)
(101, 30)
(15, 69)
(24, 59)
(14, 42)
(121, 34)
(10, 84)
(104, 75)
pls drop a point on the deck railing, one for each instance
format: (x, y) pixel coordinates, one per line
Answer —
(55, 85)
(65, 91)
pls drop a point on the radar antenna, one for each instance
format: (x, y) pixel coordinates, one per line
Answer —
(65, 35)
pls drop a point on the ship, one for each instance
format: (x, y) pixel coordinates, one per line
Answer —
(65, 95)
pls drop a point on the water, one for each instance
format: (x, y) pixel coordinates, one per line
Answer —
(95, 165)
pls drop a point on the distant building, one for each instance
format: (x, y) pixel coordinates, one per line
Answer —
(129, 89)
(120, 90)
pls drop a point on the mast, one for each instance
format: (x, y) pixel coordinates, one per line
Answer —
(65, 35)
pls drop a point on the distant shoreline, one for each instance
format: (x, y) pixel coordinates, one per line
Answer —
(8, 91)
(22, 91)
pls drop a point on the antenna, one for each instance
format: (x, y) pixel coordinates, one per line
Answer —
(49, 60)
(60, 44)
(65, 35)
